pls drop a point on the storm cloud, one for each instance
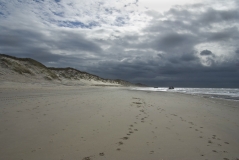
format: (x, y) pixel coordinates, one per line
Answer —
(206, 53)
(194, 45)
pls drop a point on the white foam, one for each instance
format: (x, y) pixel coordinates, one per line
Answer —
(227, 92)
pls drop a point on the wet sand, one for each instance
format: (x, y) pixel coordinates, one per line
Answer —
(90, 123)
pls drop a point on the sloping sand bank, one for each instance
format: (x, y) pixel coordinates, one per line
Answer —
(106, 123)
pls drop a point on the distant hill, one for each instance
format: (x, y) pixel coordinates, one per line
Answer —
(29, 70)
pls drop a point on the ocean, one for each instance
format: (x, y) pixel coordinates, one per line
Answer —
(223, 93)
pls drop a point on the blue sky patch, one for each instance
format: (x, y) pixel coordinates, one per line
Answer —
(60, 14)
(77, 24)
(38, 1)
(120, 21)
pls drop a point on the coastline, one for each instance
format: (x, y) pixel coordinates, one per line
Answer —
(82, 122)
(202, 92)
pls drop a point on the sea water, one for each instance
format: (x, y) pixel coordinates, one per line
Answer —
(224, 93)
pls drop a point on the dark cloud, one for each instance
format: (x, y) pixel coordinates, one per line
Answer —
(213, 16)
(70, 41)
(27, 39)
(174, 39)
(179, 12)
(180, 75)
(189, 57)
(173, 43)
(189, 76)
(73, 48)
(206, 53)
(237, 51)
(18, 37)
(227, 34)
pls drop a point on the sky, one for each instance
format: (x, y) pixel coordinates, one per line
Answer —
(183, 43)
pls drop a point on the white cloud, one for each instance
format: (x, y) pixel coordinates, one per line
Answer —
(162, 6)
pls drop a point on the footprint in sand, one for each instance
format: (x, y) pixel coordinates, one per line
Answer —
(120, 143)
(137, 103)
(101, 154)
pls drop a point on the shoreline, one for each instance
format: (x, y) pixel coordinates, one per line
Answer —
(216, 96)
(94, 123)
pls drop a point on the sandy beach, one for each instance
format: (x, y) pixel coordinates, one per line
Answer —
(112, 123)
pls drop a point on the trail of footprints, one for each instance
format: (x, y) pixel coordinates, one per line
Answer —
(141, 118)
(211, 141)
(143, 115)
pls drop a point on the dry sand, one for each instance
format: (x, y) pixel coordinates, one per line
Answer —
(90, 123)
